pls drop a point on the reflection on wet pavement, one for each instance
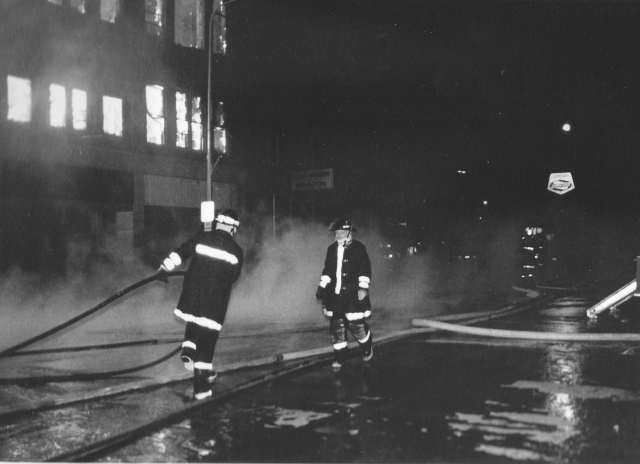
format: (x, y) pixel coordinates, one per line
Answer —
(431, 397)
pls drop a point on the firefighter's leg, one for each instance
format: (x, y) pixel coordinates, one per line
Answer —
(204, 375)
(189, 346)
(360, 329)
(338, 330)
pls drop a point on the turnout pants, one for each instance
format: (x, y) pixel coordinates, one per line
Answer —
(198, 346)
(347, 315)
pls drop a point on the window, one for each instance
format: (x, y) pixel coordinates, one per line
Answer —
(19, 99)
(112, 116)
(196, 123)
(79, 109)
(219, 132)
(155, 114)
(189, 23)
(110, 10)
(188, 119)
(220, 140)
(182, 125)
(57, 105)
(219, 28)
(78, 5)
(154, 15)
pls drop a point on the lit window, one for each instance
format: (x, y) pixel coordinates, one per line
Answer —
(57, 105)
(188, 119)
(220, 139)
(219, 132)
(112, 116)
(154, 15)
(110, 10)
(19, 99)
(196, 123)
(78, 5)
(219, 28)
(79, 109)
(189, 23)
(182, 125)
(155, 114)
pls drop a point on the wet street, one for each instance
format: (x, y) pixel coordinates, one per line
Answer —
(424, 397)
(430, 398)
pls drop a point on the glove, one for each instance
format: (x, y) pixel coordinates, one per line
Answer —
(362, 293)
(320, 293)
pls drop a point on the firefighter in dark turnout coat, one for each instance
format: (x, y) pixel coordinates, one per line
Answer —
(344, 291)
(215, 267)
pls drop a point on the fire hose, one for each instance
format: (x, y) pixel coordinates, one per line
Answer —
(162, 276)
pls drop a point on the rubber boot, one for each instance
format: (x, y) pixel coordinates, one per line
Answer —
(187, 356)
(201, 388)
(367, 348)
(339, 358)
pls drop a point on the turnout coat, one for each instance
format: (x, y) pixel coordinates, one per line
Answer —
(347, 269)
(215, 267)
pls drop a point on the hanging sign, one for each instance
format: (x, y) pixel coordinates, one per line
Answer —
(561, 183)
(312, 180)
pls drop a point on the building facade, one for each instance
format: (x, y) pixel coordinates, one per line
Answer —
(103, 132)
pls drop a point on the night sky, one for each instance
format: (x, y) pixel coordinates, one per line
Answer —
(402, 94)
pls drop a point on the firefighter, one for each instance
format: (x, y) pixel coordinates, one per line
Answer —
(534, 250)
(214, 268)
(344, 292)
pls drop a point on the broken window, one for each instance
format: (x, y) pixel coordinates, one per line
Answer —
(112, 115)
(110, 10)
(154, 15)
(57, 105)
(79, 109)
(189, 23)
(19, 99)
(78, 5)
(188, 121)
(219, 28)
(155, 114)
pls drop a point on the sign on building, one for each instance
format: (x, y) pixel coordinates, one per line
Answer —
(561, 183)
(321, 179)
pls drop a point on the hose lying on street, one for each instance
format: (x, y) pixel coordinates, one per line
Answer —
(275, 360)
(159, 276)
(528, 335)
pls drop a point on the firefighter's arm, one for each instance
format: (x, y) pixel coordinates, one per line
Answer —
(364, 277)
(324, 279)
(179, 255)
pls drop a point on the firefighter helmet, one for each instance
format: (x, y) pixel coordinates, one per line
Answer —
(228, 217)
(342, 223)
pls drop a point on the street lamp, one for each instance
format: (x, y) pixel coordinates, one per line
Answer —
(217, 44)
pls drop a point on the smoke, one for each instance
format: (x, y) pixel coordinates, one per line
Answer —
(283, 268)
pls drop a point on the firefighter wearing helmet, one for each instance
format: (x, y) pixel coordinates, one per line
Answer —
(215, 266)
(344, 291)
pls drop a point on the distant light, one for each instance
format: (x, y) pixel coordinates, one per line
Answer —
(485, 202)
(462, 172)
(566, 127)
